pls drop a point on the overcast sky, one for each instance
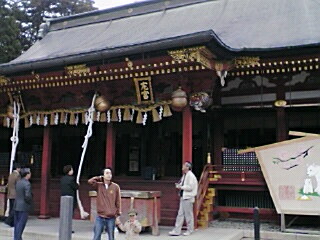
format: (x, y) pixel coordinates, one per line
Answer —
(103, 4)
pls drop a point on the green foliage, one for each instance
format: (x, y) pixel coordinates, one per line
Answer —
(36, 10)
(308, 194)
(22, 19)
(10, 46)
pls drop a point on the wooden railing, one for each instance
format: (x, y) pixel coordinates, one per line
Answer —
(229, 175)
(202, 189)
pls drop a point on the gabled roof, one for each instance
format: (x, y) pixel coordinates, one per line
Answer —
(236, 25)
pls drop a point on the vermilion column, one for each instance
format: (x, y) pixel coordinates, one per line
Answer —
(45, 174)
(110, 146)
(187, 135)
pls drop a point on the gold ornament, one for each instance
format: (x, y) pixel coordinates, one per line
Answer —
(101, 104)
(280, 103)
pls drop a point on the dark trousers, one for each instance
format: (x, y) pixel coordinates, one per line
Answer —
(20, 221)
(10, 218)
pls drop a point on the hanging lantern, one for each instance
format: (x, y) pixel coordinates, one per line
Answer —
(179, 99)
(10, 111)
(200, 101)
(101, 104)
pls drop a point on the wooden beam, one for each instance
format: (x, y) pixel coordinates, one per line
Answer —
(246, 150)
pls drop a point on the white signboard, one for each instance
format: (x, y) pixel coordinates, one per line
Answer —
(292, 172)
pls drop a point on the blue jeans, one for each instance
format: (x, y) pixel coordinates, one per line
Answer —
(100, 224)
(20, 221)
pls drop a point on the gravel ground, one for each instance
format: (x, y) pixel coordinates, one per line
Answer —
(264, 226)
(244, 224)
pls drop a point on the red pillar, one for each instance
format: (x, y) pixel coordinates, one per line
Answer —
(45, 174)
(110, 146)
(186, 135)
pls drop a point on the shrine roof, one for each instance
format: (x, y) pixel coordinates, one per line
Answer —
(234, 25)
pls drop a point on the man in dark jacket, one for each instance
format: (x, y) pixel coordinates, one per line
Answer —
(68, 185)
(22, 203)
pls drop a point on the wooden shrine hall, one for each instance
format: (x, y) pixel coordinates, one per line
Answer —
(175, 81)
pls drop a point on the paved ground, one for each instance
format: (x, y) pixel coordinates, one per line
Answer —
(219, 230)
(48, 230)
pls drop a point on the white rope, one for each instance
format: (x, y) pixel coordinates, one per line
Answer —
(15, 140)
(90, 113)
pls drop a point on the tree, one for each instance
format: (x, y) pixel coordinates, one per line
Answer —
(10, 46)
(36, 10)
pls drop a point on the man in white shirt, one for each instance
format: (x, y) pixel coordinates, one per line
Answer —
(188, 187)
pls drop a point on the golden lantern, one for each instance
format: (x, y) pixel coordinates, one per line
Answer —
(179, 99)
(101, 104)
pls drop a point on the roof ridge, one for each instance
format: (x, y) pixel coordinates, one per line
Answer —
(124, 11)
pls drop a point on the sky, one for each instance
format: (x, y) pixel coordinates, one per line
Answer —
(103, 4)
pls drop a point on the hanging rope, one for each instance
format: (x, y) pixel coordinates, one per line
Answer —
(90, 112)
(15, 140)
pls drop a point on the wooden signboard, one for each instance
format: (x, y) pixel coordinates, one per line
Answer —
(292, 172)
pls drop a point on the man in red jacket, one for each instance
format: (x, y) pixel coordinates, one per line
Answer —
(108, 203)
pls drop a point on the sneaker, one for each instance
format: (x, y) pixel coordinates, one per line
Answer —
(173, 233)
(187, 233)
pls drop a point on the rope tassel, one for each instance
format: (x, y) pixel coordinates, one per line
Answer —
(126, 115)
(155, 115)
(90, 115)
(139, 118)
(166, 111)
(15, 140)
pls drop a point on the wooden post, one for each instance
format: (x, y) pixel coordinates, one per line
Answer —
(45, 174)
(155, 226)
(186, 135)
(66, 210)
(110, 146)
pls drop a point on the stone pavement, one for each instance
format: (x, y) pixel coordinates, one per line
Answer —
(48, 230)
